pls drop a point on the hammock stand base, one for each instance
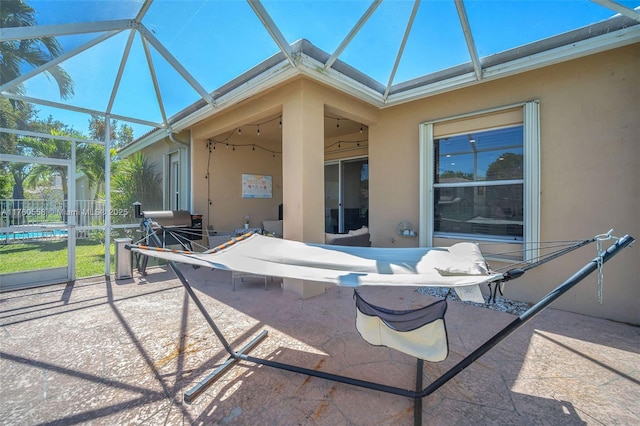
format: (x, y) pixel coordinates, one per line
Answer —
(419, 393)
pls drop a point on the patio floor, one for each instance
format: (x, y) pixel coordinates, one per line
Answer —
(125, 352)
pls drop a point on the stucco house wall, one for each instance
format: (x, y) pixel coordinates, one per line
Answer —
(590, 169)
(590, 162)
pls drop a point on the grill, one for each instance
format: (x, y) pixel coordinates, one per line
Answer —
(172, 227)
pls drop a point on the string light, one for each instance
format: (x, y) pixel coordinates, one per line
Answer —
(342, 118)
(254, 147)
(262, 123)
(212, 145)
(363, 143)
(342, 145)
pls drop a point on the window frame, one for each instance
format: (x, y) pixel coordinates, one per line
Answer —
(173, 179)
(531, 177)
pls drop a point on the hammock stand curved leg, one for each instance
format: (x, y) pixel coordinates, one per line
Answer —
(419, 393)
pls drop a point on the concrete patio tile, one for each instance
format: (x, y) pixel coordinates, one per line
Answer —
(106, 352)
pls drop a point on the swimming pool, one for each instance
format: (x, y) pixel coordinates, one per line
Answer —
(33, 235)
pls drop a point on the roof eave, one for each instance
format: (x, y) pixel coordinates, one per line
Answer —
(309, 62)
(516, 61)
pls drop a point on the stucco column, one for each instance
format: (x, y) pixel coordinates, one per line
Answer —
(303, 175)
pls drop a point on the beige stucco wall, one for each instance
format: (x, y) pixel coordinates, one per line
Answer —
(590, 178)
(217, 174)
(302, 104)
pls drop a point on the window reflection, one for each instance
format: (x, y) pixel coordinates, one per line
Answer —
(469, 197)
(489, 155)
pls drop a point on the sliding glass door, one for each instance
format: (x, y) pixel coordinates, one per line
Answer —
(346, 192)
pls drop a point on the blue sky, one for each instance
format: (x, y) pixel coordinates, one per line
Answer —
(218, 40)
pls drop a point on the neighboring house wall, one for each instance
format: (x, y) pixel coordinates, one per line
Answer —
(171, 160)
(83, 188)
(161, 153)
(590, 164)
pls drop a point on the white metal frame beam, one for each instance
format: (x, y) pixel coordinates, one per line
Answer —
(35, 160)
(148, 35)
(123, 62)
(272, 29)
(579, 49)
(468, 36)
(39, 31)
(110, 28)
(79, 109)
(55, 61)
(154, 79)
(622, 10)
(47, 136)
(356, 28)
(407, 31)
(143, 10)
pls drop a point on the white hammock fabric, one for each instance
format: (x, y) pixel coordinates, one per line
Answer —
(460, 266)
(420, 332)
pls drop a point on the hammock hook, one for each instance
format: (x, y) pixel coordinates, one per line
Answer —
(511, 274)
(599, 239)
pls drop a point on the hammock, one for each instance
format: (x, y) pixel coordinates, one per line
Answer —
(460, 266)
(418, 332)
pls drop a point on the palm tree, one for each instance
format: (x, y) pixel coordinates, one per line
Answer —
(34, 52)
(48, 148)
(90, 160)
(14, 117)
(136, 180)
(13, 55)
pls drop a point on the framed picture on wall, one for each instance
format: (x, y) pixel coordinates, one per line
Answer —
(256, 186)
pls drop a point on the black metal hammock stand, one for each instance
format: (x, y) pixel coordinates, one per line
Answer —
(555, 250)
(419, 392)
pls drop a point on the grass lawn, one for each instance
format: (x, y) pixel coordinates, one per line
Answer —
(50, 254)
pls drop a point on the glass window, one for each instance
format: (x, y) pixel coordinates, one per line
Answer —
(478, 183)
(480, 176)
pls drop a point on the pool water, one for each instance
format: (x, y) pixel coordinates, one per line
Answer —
(23, 235)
